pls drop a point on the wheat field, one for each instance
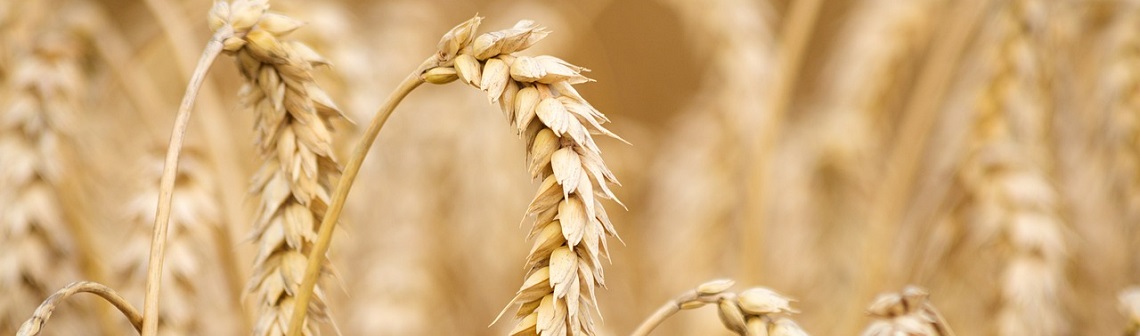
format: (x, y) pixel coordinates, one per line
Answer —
(822, 167)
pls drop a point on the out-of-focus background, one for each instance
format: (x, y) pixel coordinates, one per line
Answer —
(985, 150)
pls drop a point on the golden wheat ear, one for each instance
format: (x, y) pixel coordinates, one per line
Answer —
(537, 97)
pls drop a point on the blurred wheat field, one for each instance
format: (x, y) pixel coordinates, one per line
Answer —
(987, 151)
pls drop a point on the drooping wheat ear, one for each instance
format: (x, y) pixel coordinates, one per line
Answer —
(196, 215)
(1011, 198)
(294, 138)
(1130, 305)
(40, 248)
(537, 98)
(906, 313)
(750, 313)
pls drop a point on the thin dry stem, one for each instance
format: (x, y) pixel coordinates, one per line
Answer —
(902, 166)
(794, 38)
(222, 154)
(34, 325)
(344, 185)
(166, 185)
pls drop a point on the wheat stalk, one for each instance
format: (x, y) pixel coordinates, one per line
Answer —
(294, 138)
(196, 215)
(906, 313)
(35, 325)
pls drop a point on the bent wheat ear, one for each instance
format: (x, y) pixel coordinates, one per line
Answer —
(538, 99)
(294, 138)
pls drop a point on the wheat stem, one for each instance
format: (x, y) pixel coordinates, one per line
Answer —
(169, 173)
(34, 325)
(793, 43)
(902, 163)
(344, 185)
(664, 312)
(221, 153)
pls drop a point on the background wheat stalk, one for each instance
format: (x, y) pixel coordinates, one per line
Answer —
(43, 88)
(196, 216)
(1013, 200)
(295, 142)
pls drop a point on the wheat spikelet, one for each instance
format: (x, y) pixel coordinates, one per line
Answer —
(196, 215)
(294, 139)
(1011, 198)
(40, 95)
(537, 97)
(906, 313)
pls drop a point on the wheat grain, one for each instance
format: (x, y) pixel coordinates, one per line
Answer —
(294, 139)
(906, 313)
(704, 160)
(196, 216)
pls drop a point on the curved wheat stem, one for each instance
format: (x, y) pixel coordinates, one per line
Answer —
(294, 139)
(34, 325)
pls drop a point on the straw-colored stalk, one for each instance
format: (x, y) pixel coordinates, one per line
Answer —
(294, 139)
(686, 207)
(40, 248)
(1011, 198)
(196, 215)
(753, 312)
(537, 98)
(906, 313)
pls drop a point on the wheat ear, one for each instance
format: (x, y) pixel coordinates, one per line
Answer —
(1007, 179)
(750, 313)
(906, 313)
(294, 138)
(41, 244)
(537, 98)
